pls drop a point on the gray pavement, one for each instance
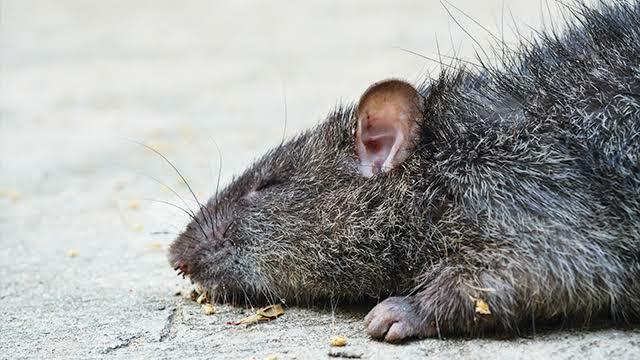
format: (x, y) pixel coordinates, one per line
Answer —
(83, 272)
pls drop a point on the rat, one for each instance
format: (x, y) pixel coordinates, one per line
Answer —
(472, 203)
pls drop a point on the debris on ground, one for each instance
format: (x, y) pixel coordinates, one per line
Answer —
(208, 309)
(264, 314)
(338, 340)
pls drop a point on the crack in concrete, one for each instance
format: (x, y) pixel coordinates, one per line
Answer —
(2, 297)
(167, 331)
(125, 343)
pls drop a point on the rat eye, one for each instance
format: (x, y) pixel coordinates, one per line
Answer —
(272, 181)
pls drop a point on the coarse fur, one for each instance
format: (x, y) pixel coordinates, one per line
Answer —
(522, 191)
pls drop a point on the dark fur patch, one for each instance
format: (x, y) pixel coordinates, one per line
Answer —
(524, 191)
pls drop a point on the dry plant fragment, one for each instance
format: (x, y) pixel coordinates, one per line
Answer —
(264, 314)
(10, 194)
(193, 295)
(197, 293)
(338, 340)
(208, 309)
(155, 246)
(203, 298)
(249, 320)
(271, 311)
(481, 307)
(199, 289)
(133, 205)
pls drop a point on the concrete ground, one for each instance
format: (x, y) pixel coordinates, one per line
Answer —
(83, 272)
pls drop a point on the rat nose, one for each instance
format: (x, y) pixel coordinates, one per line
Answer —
(182, 268)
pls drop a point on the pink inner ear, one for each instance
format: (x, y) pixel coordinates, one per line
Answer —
(377, 147)
(382, 140)
(387, 122)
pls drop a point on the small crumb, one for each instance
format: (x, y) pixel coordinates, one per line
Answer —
(338, 340)
(208, 309)
(10, 194)
(271, 357)
(177, 293)
(133, 204)
(155, 246)
(136, 227)
(72, 253)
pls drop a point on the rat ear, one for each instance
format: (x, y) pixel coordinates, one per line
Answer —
(388, 115)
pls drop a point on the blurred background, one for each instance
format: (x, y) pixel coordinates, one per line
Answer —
(82, 81)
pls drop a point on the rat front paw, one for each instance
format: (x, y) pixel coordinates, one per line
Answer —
(397, 319)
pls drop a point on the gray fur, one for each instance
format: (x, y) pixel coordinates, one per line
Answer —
(523, 190)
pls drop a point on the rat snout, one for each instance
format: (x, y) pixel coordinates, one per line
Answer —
(202, 251)
(182, 268)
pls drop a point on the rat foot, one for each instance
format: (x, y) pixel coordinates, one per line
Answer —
(397, 319)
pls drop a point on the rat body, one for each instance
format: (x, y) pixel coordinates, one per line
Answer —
(517, 188)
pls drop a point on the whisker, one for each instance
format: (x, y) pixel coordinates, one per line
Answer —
(179, 208)
(215, 208)
(439, 53)
(172, 205)
(463, 29)
(502, 32)
(425, 57)
(550, 14)
(474, 21)
(175, 169)
(284, 103)
(170, 189)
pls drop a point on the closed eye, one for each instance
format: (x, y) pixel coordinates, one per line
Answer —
(272, 181)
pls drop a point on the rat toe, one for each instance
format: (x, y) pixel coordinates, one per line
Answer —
(379, 325)
(393, 320)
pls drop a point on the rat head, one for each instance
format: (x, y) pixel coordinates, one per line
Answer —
(330, 213)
